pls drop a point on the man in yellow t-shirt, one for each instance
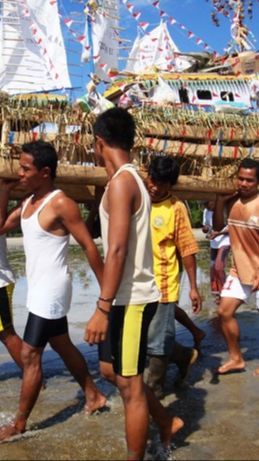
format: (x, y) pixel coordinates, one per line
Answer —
(171, 237)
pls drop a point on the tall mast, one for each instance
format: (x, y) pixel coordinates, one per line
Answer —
(239, 31)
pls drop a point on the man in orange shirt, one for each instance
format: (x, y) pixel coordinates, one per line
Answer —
(243, 227)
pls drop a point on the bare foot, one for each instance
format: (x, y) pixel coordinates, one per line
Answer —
(198, 337)
(7, 432)
(44, 385)
(256, 372)
(217, 299)
(231, 366)
(95, 402)
(169, 430)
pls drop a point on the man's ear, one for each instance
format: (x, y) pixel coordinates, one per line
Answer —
(99, 143)
(46, 172)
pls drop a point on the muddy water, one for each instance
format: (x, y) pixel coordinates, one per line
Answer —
(221, 414)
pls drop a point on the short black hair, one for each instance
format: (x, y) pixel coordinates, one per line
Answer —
(164, 168)
(44, 154)
(117, 127)
(250, 163)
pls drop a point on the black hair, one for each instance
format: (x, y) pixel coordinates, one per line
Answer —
(116, 127)
(250, 163)
(164, 169)
(44, 154)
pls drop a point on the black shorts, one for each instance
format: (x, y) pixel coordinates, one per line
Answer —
(6, 317)
(126, 343)
(38, 331)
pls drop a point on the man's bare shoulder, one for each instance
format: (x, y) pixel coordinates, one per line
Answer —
(61, 201)
(124, 181)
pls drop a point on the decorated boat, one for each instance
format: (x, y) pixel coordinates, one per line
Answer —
(200, 107)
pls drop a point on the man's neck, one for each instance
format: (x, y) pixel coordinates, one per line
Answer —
(114, 160)
(249, 199)
(162, 199)
(42, 192)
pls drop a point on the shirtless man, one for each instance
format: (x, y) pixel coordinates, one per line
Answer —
(47, 218)
(128, 296)
(243, 227)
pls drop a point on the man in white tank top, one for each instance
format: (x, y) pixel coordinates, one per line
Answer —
(128, 296)
(47, 219)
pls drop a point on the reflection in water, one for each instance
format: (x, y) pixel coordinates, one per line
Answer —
(212, 409)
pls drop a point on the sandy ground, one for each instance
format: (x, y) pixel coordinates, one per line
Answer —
(221, 414)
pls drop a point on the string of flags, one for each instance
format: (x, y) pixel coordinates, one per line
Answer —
(143, 25)
(169, 19)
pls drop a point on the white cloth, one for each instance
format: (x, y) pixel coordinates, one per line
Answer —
(49, 281)
(220, 240)
(138, 284)
(6, 273)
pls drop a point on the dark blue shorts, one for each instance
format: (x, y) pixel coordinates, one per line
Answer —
(38, 331)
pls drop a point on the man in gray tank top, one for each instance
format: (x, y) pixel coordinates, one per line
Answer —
(128, 296)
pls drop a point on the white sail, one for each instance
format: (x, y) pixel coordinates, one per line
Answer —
(101, 42)
(32, 47)
(1, 48)
(156, 49)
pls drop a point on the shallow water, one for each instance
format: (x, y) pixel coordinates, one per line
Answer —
(221, 414)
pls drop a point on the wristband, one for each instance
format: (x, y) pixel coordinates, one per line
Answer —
(102, 310)
(106, 300)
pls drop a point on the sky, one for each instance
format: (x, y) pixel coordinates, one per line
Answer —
(194, 15)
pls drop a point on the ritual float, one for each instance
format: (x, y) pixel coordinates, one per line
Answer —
(201, 108)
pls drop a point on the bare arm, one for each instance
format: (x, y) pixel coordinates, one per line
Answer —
(189, 263)
(222, 205)
(120, 212)
(93, 207)
(214, 234)
(121, 207)
(187, 248)
(69, 214)
(11, 221)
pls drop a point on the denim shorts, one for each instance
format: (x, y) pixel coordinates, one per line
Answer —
(161, 332)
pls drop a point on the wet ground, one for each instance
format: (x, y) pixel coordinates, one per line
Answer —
(221, 414)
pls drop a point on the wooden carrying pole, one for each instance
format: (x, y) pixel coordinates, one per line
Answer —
(79, 182)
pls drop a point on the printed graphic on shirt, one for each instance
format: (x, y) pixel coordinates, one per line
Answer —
(158, 221)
